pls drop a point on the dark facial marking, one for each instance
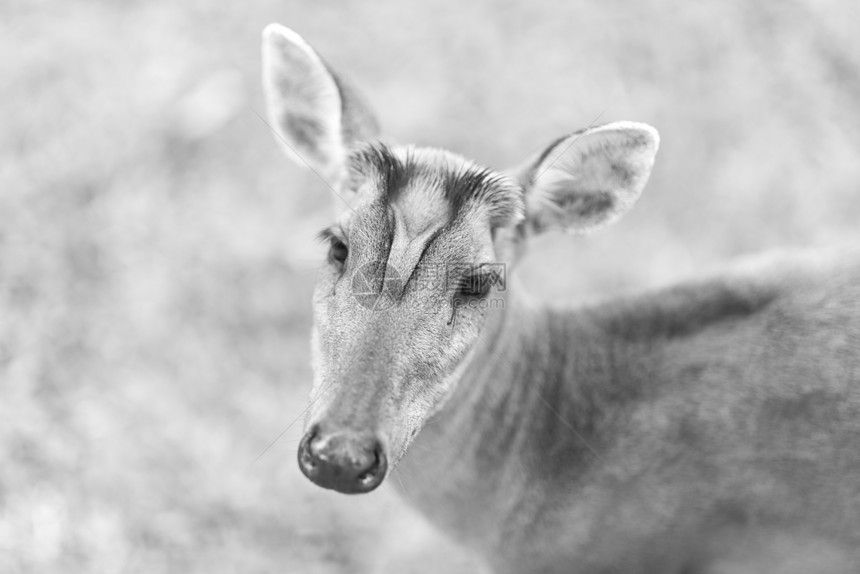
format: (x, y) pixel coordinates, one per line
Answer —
(464, 183)
(378, 160)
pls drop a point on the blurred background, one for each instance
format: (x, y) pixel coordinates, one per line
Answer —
(157, 253)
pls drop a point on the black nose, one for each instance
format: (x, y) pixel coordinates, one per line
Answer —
(343, 460)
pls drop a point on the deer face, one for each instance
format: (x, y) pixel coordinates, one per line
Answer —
(416, 264)
(400, 302)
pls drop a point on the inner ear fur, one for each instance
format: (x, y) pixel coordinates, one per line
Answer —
(316, 114)
(589, 179)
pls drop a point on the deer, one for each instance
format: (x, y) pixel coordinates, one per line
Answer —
(706, 427)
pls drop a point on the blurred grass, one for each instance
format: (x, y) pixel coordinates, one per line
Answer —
(156, 253)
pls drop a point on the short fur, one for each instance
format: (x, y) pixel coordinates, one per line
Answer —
(708, 428)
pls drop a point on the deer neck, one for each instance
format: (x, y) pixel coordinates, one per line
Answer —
(515, 403)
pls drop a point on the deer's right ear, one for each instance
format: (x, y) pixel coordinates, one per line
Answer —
(315, 114)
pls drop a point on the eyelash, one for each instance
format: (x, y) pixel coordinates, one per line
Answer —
(466, 288)
(338, 251)
(475, 286)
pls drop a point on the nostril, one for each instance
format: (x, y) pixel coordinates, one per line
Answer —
(374, 473)
(307, 459)
(378, 455)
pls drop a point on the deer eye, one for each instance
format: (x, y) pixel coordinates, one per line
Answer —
(474, 285)
(478, 281)
(338, 252)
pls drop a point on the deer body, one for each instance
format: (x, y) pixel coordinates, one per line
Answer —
(707, 428)
(634, 436)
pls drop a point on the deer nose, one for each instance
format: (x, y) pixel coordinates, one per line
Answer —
(344, 460)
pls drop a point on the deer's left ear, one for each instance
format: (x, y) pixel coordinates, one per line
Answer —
(589, 179)
(316, 115)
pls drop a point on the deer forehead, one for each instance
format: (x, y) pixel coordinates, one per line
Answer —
(425, 192)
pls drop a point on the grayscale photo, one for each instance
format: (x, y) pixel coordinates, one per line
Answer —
(295, 287)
